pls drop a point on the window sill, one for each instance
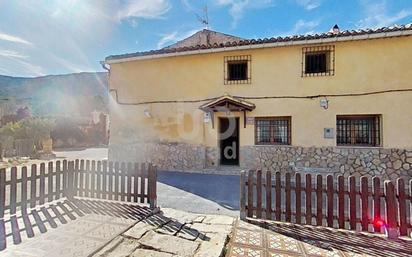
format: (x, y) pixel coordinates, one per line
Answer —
(319, 74)
(358, 147)
(235, 82)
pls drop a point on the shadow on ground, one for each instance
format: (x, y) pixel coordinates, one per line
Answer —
(345, 241)
(221, 189)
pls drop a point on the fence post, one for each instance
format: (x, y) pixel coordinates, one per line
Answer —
(152, 185)
(70, 179)
(390, 206)
(242, 195)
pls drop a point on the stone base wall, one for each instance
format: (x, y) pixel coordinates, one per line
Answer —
(385, 163)
(166, 155)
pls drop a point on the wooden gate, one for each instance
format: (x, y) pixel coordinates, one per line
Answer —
(366, 205)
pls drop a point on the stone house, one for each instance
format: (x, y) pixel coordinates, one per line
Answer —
(338, 102)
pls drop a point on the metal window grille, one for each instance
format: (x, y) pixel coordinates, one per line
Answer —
(237, 69)
(318, 61)
(273, 130)
(358, 130)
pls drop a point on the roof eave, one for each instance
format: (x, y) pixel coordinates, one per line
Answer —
(265, 45)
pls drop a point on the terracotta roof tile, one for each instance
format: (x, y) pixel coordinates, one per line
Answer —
(243, 42)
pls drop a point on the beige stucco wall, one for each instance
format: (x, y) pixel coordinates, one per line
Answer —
(360, 66)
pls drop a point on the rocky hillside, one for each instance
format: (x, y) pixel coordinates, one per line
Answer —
(74, 95)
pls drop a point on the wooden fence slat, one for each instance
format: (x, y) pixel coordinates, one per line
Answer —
(110, 192)
(116, 180)
(352, 202)
(152, 186)
(308, 190)
(58, 180)
(268, 195)
(65, 177)
(377, 203)
(13, 190)
(23, 190)
(50, 178)
(143, 175)
(319, 200)
(330, 197)
(298, 194)
(2, 192)
(93, 179)
(76, 176)
(341, 202)
(33, 178)
(42, 183)
(365, 203)
(70, 179)
(81, 178)
(278, 192)
(104, 178)
(259, 194)
(87, 179)
(123, 181)
(243, 195)
(136, 183)
(99, 173)
(250, 194)
(288, 209)
(391, 220)
(403, 226)
(129, 181)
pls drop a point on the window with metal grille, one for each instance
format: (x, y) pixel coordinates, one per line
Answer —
(273, 130)
(237, 69)
(358, 130)
(318, 61)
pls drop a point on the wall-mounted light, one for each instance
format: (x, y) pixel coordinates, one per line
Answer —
(147, 113)
(324, 103)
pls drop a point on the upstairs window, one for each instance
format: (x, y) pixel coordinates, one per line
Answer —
(358, 130)
(273, 131)
(318, 61)
(237, 69)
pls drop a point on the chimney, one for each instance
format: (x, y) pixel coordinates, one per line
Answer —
(335, 29)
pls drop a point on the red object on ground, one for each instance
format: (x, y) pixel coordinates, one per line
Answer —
(378, 222)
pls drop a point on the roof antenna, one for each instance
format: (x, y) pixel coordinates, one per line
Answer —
(204, 20)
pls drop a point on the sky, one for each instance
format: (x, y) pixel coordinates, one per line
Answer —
(42, 37)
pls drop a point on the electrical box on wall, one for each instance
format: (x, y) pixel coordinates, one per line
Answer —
(328, 133)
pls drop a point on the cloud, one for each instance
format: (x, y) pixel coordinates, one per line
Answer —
(148, 9)
(309, 4)
(302, 27)
(12, 54)
(237, 8)
(174, 37)
(14, 39)
(376, 15)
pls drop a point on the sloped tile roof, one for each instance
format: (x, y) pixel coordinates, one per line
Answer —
(246, 42)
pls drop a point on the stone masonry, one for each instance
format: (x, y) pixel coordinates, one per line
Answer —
(382, 162)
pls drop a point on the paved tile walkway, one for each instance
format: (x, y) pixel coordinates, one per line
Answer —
(69, 228)
(281, 240)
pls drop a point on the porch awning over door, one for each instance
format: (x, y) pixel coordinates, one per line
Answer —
(228, 103)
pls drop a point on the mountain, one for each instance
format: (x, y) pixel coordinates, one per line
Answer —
(74, 95)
